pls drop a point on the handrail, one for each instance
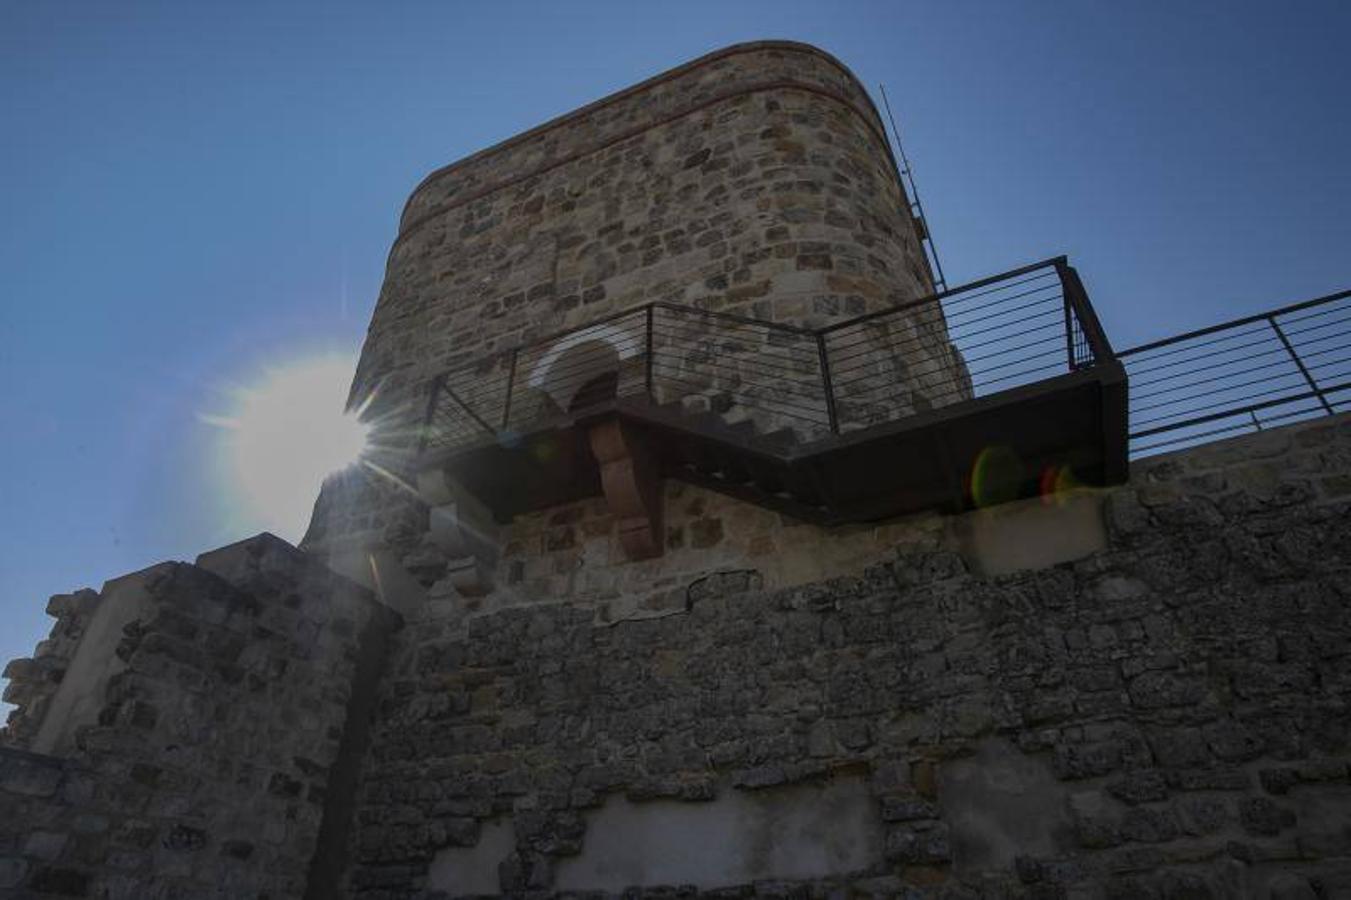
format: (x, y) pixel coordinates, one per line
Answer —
(1231, 372)
(941, 295)
(1237, 323)
(1088, 317)
(846, 375)
(729, 317)
(986, 337)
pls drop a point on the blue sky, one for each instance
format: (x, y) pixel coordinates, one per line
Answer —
(190, 193)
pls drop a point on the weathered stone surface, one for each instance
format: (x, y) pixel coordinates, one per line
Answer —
(1162, 717)
(1204, 685)
(209, 760)
(755, 181)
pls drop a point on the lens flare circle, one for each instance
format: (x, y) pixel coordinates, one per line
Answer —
(287, 433)
(996, 476)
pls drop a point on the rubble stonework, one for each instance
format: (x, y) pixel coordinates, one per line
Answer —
(1169, 713)
(1163, 717)
(33, 682)
(206, 767)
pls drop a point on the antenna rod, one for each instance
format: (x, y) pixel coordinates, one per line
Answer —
(914, 190)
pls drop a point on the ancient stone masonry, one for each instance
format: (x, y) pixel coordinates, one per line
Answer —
(201, 760)
(1157, 711)
(33, 682)
(756, 180)
(1165, 716)
(642, 687)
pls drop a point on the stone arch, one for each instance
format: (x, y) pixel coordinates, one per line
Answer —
(583, 362)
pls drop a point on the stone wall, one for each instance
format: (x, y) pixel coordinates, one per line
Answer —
(208, 766)
(1164, 716)
(755, 180)
(1135, 692)
(34, 681)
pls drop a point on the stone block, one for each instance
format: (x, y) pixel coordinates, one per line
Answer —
(1203, 815)
(1140, 786)
(1261, 816)
(29, 775)
(907, 809)
(13, 869)
(44, 845)
(64, 881)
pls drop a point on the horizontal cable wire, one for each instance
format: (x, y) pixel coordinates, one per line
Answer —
(997, 328)
(1059, 333)
(1262, 327)
(867, 331)
(1179, 383)
(1250, 425)
(961, 296)
(913, 371)
(1214, 407)
(1220, 411)
(977, 386)
(1187, 397)
(1264, 336)
(778, 361)
(954, 338)
(1188, 389)
(991, 312)
(713, 388)
(1304, 315)
(999, 354)
(751, 366)
(779, 406)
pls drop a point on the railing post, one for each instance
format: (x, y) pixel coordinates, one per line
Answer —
(1308, 376)
(473, 415)
(1069, 328)
(431, 410)
(511, 384)
(1077, 297)
(649, 353)
(825, 381)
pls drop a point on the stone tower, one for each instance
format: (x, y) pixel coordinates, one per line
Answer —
(755, 183)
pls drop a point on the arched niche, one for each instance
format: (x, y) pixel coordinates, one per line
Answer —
(589, 359)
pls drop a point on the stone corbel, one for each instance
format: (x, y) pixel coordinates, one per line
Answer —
(632, 482)
(463, 529)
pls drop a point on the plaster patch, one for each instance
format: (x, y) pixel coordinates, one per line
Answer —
(797, 831)
(473, 870)
(1032, 534)
(1000, 804)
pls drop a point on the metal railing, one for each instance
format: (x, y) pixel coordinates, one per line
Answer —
(1271, 368)
(976, 340)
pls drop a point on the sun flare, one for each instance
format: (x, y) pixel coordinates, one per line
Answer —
(287, 433)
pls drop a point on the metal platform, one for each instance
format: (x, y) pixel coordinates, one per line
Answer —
(827, 425)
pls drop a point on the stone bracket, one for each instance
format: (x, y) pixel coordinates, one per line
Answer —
(462, 528)
(631, 479)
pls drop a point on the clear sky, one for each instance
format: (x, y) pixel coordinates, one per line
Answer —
(191, 193)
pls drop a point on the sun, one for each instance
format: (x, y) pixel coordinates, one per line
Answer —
(287, 432)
